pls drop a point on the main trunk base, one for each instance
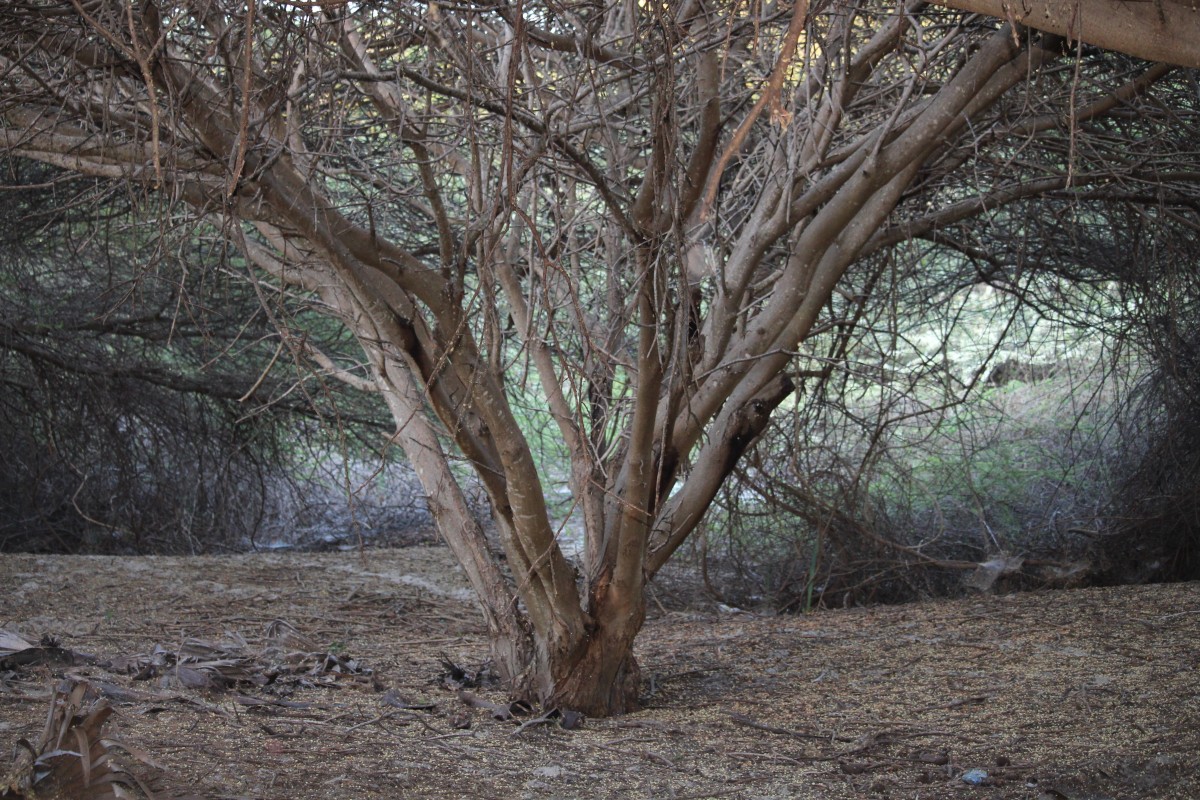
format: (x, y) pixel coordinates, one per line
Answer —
(603, 683)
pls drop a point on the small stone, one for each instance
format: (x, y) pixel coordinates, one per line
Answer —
(975, 777)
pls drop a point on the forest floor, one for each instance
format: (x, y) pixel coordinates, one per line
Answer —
(1081, 694)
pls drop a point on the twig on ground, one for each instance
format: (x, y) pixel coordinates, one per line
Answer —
(742, 719)
(372, 721)
(543, 719)
(798, 761)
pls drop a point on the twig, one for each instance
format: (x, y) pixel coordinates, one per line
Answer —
(379, 718)
(962, 701)
(742, 719)
(799, 762)
(529, 723)
(1179, 614)
(706, 794)
(454, 735)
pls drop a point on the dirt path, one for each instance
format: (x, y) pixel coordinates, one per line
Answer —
(1081, 695)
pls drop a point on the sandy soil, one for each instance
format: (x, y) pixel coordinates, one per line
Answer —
(1083, 694)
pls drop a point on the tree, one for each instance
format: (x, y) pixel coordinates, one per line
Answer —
(621, 221)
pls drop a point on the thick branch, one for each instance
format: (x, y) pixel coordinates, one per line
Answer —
(1164, 30)
(737, 429)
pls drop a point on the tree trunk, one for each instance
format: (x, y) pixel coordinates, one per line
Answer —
(606, 680)
(602, 676)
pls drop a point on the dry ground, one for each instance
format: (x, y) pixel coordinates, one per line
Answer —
(1075, 694)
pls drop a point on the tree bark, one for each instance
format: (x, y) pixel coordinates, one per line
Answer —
(602, 676)
(1164, 30)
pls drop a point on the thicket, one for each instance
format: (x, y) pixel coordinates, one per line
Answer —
(1030, 419)
(150, 402)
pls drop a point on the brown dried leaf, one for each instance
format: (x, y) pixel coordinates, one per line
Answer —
(190, 678)
(459, 677)
(72, 758)
(12, 643)
(258, 702)
(284, 636)
(15, 651)
(396, 700)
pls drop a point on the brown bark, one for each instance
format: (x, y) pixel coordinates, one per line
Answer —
(1164, 30)
(602, 677)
